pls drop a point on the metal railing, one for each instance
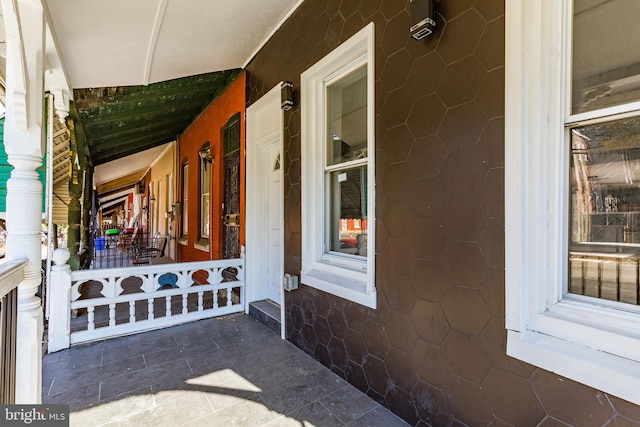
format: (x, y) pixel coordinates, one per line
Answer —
(614, 277)
(126, 249)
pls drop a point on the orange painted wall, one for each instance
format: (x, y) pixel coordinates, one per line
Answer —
(208, 127)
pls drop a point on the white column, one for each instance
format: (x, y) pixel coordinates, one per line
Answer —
(60, 302)
(24, 207)
(24, 143)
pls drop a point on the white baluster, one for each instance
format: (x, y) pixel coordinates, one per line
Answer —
(90, 316)
(215, 299)
(150, 309)
(132, 312)
(168, 305)
(229, 302)
(184, 304)
(112, 314)
(200, 301)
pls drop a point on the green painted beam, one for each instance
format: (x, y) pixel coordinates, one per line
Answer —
(199, 83)
(119, 121)
(129, 130)
(139, 115)
(124, 108)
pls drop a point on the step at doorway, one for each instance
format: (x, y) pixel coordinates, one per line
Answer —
(267, 312)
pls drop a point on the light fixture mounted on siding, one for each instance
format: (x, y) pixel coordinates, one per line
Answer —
(205, 155)
(287, 96)
(424, 16)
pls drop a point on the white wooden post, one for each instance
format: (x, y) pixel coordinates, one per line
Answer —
(24, 143)
(60, 301)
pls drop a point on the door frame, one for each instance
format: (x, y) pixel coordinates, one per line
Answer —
(265, 122)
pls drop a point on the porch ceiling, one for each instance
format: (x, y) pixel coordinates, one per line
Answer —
(123, 120)
(128, 43)
(142, 71)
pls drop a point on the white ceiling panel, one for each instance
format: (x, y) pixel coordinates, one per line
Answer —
(125, 42)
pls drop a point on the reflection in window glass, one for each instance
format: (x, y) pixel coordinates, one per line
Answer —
(204, 197)
(348, 211)
(606, 60)
(346, 166)
(347, 118)
(605, 210)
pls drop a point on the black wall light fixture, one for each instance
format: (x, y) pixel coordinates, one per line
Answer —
(287, 96)
(424, 16)
(205, 156)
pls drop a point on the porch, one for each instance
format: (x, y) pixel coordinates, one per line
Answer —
(229, 370)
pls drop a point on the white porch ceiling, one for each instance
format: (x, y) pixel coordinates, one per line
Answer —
(134, 166)
(125, 43)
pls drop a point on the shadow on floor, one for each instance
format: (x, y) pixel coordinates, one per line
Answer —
(215, 372)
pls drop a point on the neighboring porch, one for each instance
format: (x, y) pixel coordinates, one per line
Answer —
(224, 371)
(128, 249)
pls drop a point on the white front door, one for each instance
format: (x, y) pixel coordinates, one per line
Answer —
(274, 210)
(264, 240)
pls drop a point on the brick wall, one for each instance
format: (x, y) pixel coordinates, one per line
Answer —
(208, 128)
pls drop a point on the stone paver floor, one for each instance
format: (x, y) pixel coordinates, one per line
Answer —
(229, 371)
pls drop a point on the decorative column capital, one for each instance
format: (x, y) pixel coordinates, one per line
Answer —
(61, 104)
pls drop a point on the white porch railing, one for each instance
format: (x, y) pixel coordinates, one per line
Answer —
(11, 275)
(115, 302)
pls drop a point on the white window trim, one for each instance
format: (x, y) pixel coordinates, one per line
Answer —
(203, 238)
(596, 344)
(200, 246)
(354, 281)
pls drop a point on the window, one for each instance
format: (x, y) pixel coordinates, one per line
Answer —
(572, 169)
(185, 199)
(338, 171)
(205, 173)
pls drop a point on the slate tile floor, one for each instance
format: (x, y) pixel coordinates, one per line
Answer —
(230, 371)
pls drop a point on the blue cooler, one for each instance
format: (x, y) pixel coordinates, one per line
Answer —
(99, 243)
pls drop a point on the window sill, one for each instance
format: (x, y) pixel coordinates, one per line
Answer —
(184, 241)
(202, 245)
(342, 286)
(597, 369)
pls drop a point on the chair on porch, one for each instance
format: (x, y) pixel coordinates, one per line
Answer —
(127, 241)
(143, 254)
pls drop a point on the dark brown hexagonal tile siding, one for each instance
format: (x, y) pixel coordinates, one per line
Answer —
(434, 349)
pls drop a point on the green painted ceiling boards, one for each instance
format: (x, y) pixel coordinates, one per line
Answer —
(124, 120)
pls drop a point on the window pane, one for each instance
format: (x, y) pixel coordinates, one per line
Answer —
(204, 197)
(347, 118)
(204, 218)
(347, 206)
(606, 58)
(605, 210)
